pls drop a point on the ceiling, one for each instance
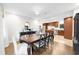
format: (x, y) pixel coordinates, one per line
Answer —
(38, 10)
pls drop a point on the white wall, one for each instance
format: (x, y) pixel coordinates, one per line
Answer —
(14, 25)
(35, 24)
(1, 32)
(76, 11)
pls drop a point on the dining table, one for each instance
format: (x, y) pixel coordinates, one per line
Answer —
(30, 40)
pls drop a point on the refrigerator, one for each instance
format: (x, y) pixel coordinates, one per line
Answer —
(76, 34)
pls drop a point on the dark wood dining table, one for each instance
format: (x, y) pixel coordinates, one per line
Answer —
(30, 40)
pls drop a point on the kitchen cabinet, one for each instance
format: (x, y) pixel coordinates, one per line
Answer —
(61, 32)
(68, 27)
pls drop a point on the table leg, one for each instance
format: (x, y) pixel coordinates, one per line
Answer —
(29, 49)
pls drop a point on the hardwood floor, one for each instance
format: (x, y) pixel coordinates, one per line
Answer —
(61, 46)
(9, 50)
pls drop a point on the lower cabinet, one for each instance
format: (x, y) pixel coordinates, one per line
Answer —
(61, 32)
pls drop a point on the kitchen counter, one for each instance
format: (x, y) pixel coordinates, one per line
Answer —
(59, 31)
(58, 28)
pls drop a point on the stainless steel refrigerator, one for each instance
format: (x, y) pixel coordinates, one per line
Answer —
(76, 34)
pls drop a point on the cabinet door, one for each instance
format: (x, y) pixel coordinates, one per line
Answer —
(68, 28)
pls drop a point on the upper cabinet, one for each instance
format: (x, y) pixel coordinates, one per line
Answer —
(52, 24)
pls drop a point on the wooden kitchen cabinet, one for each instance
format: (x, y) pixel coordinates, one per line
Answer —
(68, 27)
(61, 32)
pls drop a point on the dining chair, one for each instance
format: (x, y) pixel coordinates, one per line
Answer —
(19, 48)
(51, 38)
(39, 45)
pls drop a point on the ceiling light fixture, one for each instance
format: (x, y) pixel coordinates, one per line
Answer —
(37, 10)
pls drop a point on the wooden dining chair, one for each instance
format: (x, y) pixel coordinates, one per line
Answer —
(51, 38)
(39, 45)
(19, 48)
